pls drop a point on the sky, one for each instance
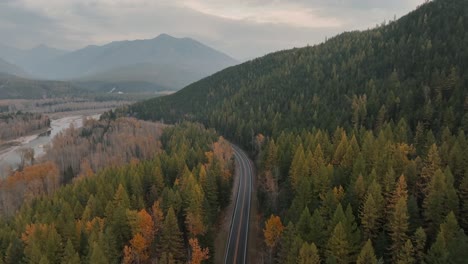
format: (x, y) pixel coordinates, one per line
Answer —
(243, 29)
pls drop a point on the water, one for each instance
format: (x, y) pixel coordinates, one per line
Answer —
(10, 158)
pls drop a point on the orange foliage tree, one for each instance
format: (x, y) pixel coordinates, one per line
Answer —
(272, 231)
(198, 254)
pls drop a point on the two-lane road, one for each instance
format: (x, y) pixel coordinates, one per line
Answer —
(236, 250)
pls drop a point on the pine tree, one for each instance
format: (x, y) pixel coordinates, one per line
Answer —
(70, 256)
(289, 246)
(431, 165)
(451, 245)
(438, 254)
(354, 233)
(359, 190)
(400, 191)
(435, 201)
(318, 232)
(308, 254)
(369, 215)
(463, 194)
(338, 247)
(318, 161)
(405, 254)
(210, 188)
(398, 226)
(419, 241)
(171, 241)
(367, 255)
(116, 213)
(302, 198)
(451, 193)
(298, 168)
(97, 255)
(305, 226)
(14, 251)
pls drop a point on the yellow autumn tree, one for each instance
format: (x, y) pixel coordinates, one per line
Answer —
(273, 230)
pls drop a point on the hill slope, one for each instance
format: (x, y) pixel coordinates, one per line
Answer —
(414, 68)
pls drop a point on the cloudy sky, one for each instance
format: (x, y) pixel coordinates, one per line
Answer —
(241, 28)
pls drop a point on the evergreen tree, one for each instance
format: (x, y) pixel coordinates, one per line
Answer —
(97, 255)
(289, 245)
(463, 194)
(405, 254)
(308, 254)
(171, 241)
(338, 246)
(451, 245)
(436, 201)
(70, 255)
(398, 226)
(318, 230)
(298, 168)
(305, 226)
(369, 217)
(431, 165)
(367, 255)
(419, 241)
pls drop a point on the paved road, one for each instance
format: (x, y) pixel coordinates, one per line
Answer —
(236, 250)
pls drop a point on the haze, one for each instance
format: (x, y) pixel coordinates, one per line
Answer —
(243, 29)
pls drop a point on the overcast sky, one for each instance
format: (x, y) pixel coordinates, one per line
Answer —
(240, 28)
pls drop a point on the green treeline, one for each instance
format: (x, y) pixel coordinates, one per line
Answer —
(136, 213)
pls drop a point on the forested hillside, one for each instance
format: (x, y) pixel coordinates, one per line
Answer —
(160, 209)
(414, 68)
(360, 141)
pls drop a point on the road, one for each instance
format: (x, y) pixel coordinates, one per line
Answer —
(236, 250)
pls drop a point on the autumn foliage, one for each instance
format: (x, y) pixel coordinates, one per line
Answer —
(273, 230)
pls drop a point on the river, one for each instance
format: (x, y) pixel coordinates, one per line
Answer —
(10, 158)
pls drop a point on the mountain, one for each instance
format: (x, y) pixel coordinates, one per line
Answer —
(32, 60)
(8, 68)
(415, 68)
(164, 60)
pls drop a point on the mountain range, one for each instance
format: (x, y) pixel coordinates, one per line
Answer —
(164, 62)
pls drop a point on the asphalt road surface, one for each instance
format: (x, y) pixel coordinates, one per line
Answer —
(236, 250)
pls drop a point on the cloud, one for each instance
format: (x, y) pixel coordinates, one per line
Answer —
(242, 28)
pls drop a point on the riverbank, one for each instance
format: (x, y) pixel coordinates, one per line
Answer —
(9, 156)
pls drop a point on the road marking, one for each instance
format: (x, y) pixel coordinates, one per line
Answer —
(250, 172)
(245, 170)
(235, 209)
(241, 215)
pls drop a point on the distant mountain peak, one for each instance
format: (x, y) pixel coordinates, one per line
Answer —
(165, 36)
